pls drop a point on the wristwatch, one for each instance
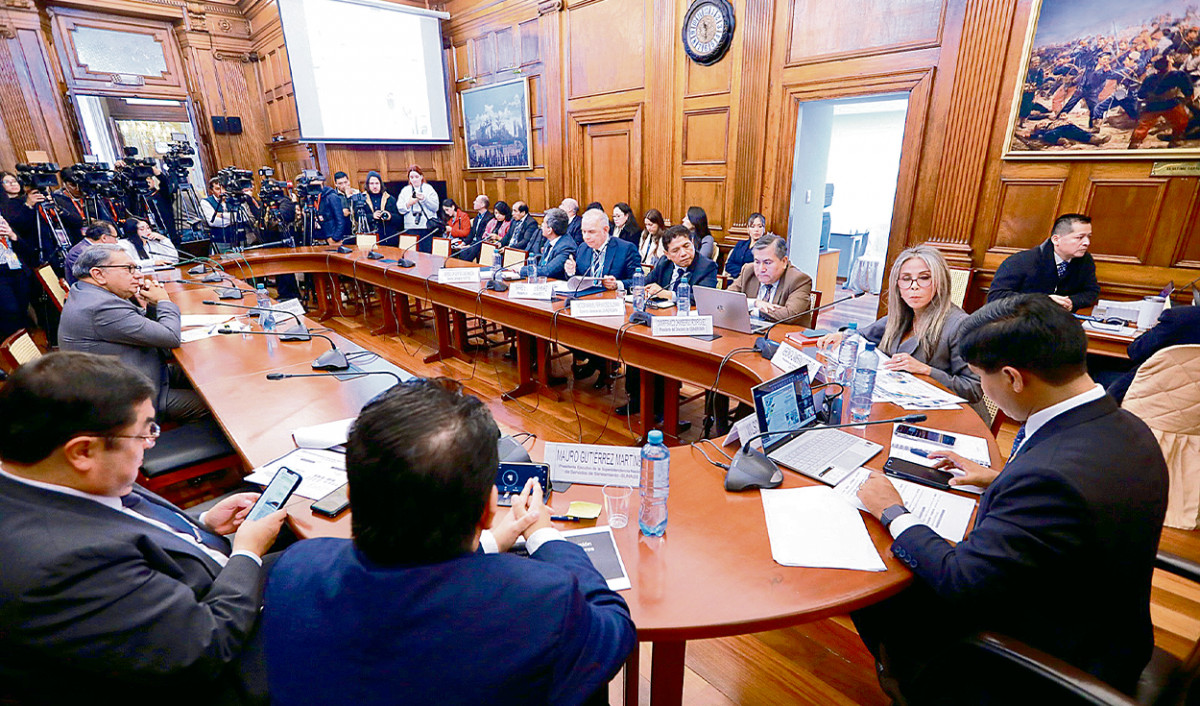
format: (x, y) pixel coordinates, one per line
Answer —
(891, 513)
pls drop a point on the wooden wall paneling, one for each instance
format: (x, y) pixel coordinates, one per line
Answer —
(485, 55)
(19, 130)
(1025, 213)
(606, 46)
(610, 166)
(822, 30)
(536, 196)
(965, 140)
(705, 135)
(33, 106)
(662, 108)
(756, 26)
(1124, 218)
(530, 42)
(82, 78)
(506, 48)
(707, 192)
(708, 80)
(463, 67)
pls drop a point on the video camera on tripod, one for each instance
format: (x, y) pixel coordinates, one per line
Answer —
(236, 181)
(309, 185)
(178, 159)
(96, 179)
(136, 173)
(268, 188)
(39, 176)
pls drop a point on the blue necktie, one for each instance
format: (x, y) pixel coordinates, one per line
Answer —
(1062, 269)
(1017, 440)
(172, 519)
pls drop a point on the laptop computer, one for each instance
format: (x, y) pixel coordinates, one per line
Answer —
(827, 455)
(729, 309)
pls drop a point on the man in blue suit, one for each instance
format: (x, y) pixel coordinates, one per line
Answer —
(1079, 505)
(1176, 326)
(611, 260)
(1060, 267)
(524, 233)
(557, 247)
(418, 608)
(681, 260)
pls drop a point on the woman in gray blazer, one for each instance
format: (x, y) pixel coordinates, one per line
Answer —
(921, 335)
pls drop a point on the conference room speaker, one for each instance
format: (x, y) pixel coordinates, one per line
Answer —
(219, 124)
(233, 125)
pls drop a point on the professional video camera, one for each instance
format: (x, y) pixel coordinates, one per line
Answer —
(235, 180)
(96, 179)
(40, 176)
(178, 159)
(309, 184)
(139, 168)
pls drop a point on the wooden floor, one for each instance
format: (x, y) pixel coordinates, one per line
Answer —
(816, 663)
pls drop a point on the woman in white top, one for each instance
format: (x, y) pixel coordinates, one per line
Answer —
(650, 247)
(418, 203)
(142, 243)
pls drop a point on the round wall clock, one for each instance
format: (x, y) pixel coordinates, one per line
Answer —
(708, 30)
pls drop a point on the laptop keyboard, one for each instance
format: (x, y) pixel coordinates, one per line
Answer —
(813, 451)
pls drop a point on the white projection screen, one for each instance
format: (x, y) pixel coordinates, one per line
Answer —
(366, 71)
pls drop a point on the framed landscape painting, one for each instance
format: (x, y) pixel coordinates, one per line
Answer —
(497, 126)
(1110, 79)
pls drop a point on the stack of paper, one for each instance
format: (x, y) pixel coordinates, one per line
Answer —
(946, 514)
(812, 527)
(909, 392)
(321, 472)
(323, 436)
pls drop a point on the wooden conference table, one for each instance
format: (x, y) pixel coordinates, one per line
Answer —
(712, 575)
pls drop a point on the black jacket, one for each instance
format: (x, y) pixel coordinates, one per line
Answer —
(1033, 271)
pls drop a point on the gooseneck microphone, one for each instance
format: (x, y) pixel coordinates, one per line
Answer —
(766, 347)
(332, 359)
(751, 468)
(294, 335)
(288, 242)
(286, 376)
(405, 262)
(497, 284)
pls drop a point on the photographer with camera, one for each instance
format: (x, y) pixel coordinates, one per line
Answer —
(418, 203)
(230, 208)
(16, 278)
(17, 208)
(382, 209)
(278, 224)
(323, 209)
(217, 214)
(341, 183)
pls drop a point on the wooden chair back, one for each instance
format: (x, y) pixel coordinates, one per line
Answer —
(512, 256)
(404, 242)
(17, 350)
(960, 284)
(53, 285)
(441, 246)
(487, 253)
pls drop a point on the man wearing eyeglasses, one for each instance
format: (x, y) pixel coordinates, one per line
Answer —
(113, 310)
(110, 593)
(779, 289)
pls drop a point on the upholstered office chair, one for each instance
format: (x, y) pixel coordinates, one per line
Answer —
(17, 350)
(960, 283)
(1165, 393)
(1165, 681)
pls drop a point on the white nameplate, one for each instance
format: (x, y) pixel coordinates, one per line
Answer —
(681, 325)
(593, 464)
(597, 307)
(525, 290)
(458, 275)
(788, 358)
(292, 306)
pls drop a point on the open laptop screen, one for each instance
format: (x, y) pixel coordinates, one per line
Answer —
(785, 402)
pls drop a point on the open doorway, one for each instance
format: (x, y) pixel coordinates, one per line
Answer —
(846, 164)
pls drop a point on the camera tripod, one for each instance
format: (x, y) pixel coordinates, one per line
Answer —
(185, 208)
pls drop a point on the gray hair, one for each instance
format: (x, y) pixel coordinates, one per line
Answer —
(556, 220)
(596, 216)
(770, 240)
(569, 205)
(92, 256)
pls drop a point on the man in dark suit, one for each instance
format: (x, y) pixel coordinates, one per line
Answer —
(419, 607)
(109, 593)
(469, 249)
(681, 260)
(524, 234)
(1176, 326)
(1060, 267)
(612, 261)
(575, 226)
(113, 310)
(557, 247)
(1085, 484)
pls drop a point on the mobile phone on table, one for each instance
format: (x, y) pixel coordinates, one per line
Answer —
(511, 479)
(276, 494)
(915, 472)
(333, 504)
(930, 435)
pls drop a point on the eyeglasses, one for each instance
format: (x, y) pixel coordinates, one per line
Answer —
(155, 432)
(923, 281)
(130, 268)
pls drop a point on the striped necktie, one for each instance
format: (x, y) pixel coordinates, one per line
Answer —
(767, 292)
(1062, 268)
(1017, 441)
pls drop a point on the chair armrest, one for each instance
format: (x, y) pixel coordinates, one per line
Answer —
(1175, 564)
(1053, 670)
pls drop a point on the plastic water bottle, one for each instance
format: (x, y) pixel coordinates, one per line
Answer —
(266, 318)
(655, 485)
(529, 270)
(261, 297)
(683, 297)
(497, 263)
(638, 288)
(863, 388)
(847, 354)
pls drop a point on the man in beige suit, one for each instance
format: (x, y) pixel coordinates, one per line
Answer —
(780, 289)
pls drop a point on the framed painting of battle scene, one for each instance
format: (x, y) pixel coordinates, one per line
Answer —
(497, 126)
(1109, 79)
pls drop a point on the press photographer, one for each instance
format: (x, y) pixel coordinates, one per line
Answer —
(378, 209)
(58, 216)
(324, 220)
(278, 224)
(230, 209)
(147, 193)
(99, 188)
(419, 205)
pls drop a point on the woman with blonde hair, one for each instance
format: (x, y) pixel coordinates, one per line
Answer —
(920, 332)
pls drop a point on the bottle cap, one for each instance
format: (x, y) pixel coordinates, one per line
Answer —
(853, 325)
(655, 437)
(870, 346)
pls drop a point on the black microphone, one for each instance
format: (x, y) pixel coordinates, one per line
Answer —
(405, 262)
(495, 283)
(293, 335)
(204, 266)
(332, 359)
(752, 469)
(288, 242)
(766, 347)
(339, 376)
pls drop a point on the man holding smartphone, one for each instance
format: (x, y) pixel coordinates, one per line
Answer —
(1079, 505)
(361, 621)
(108, 591)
